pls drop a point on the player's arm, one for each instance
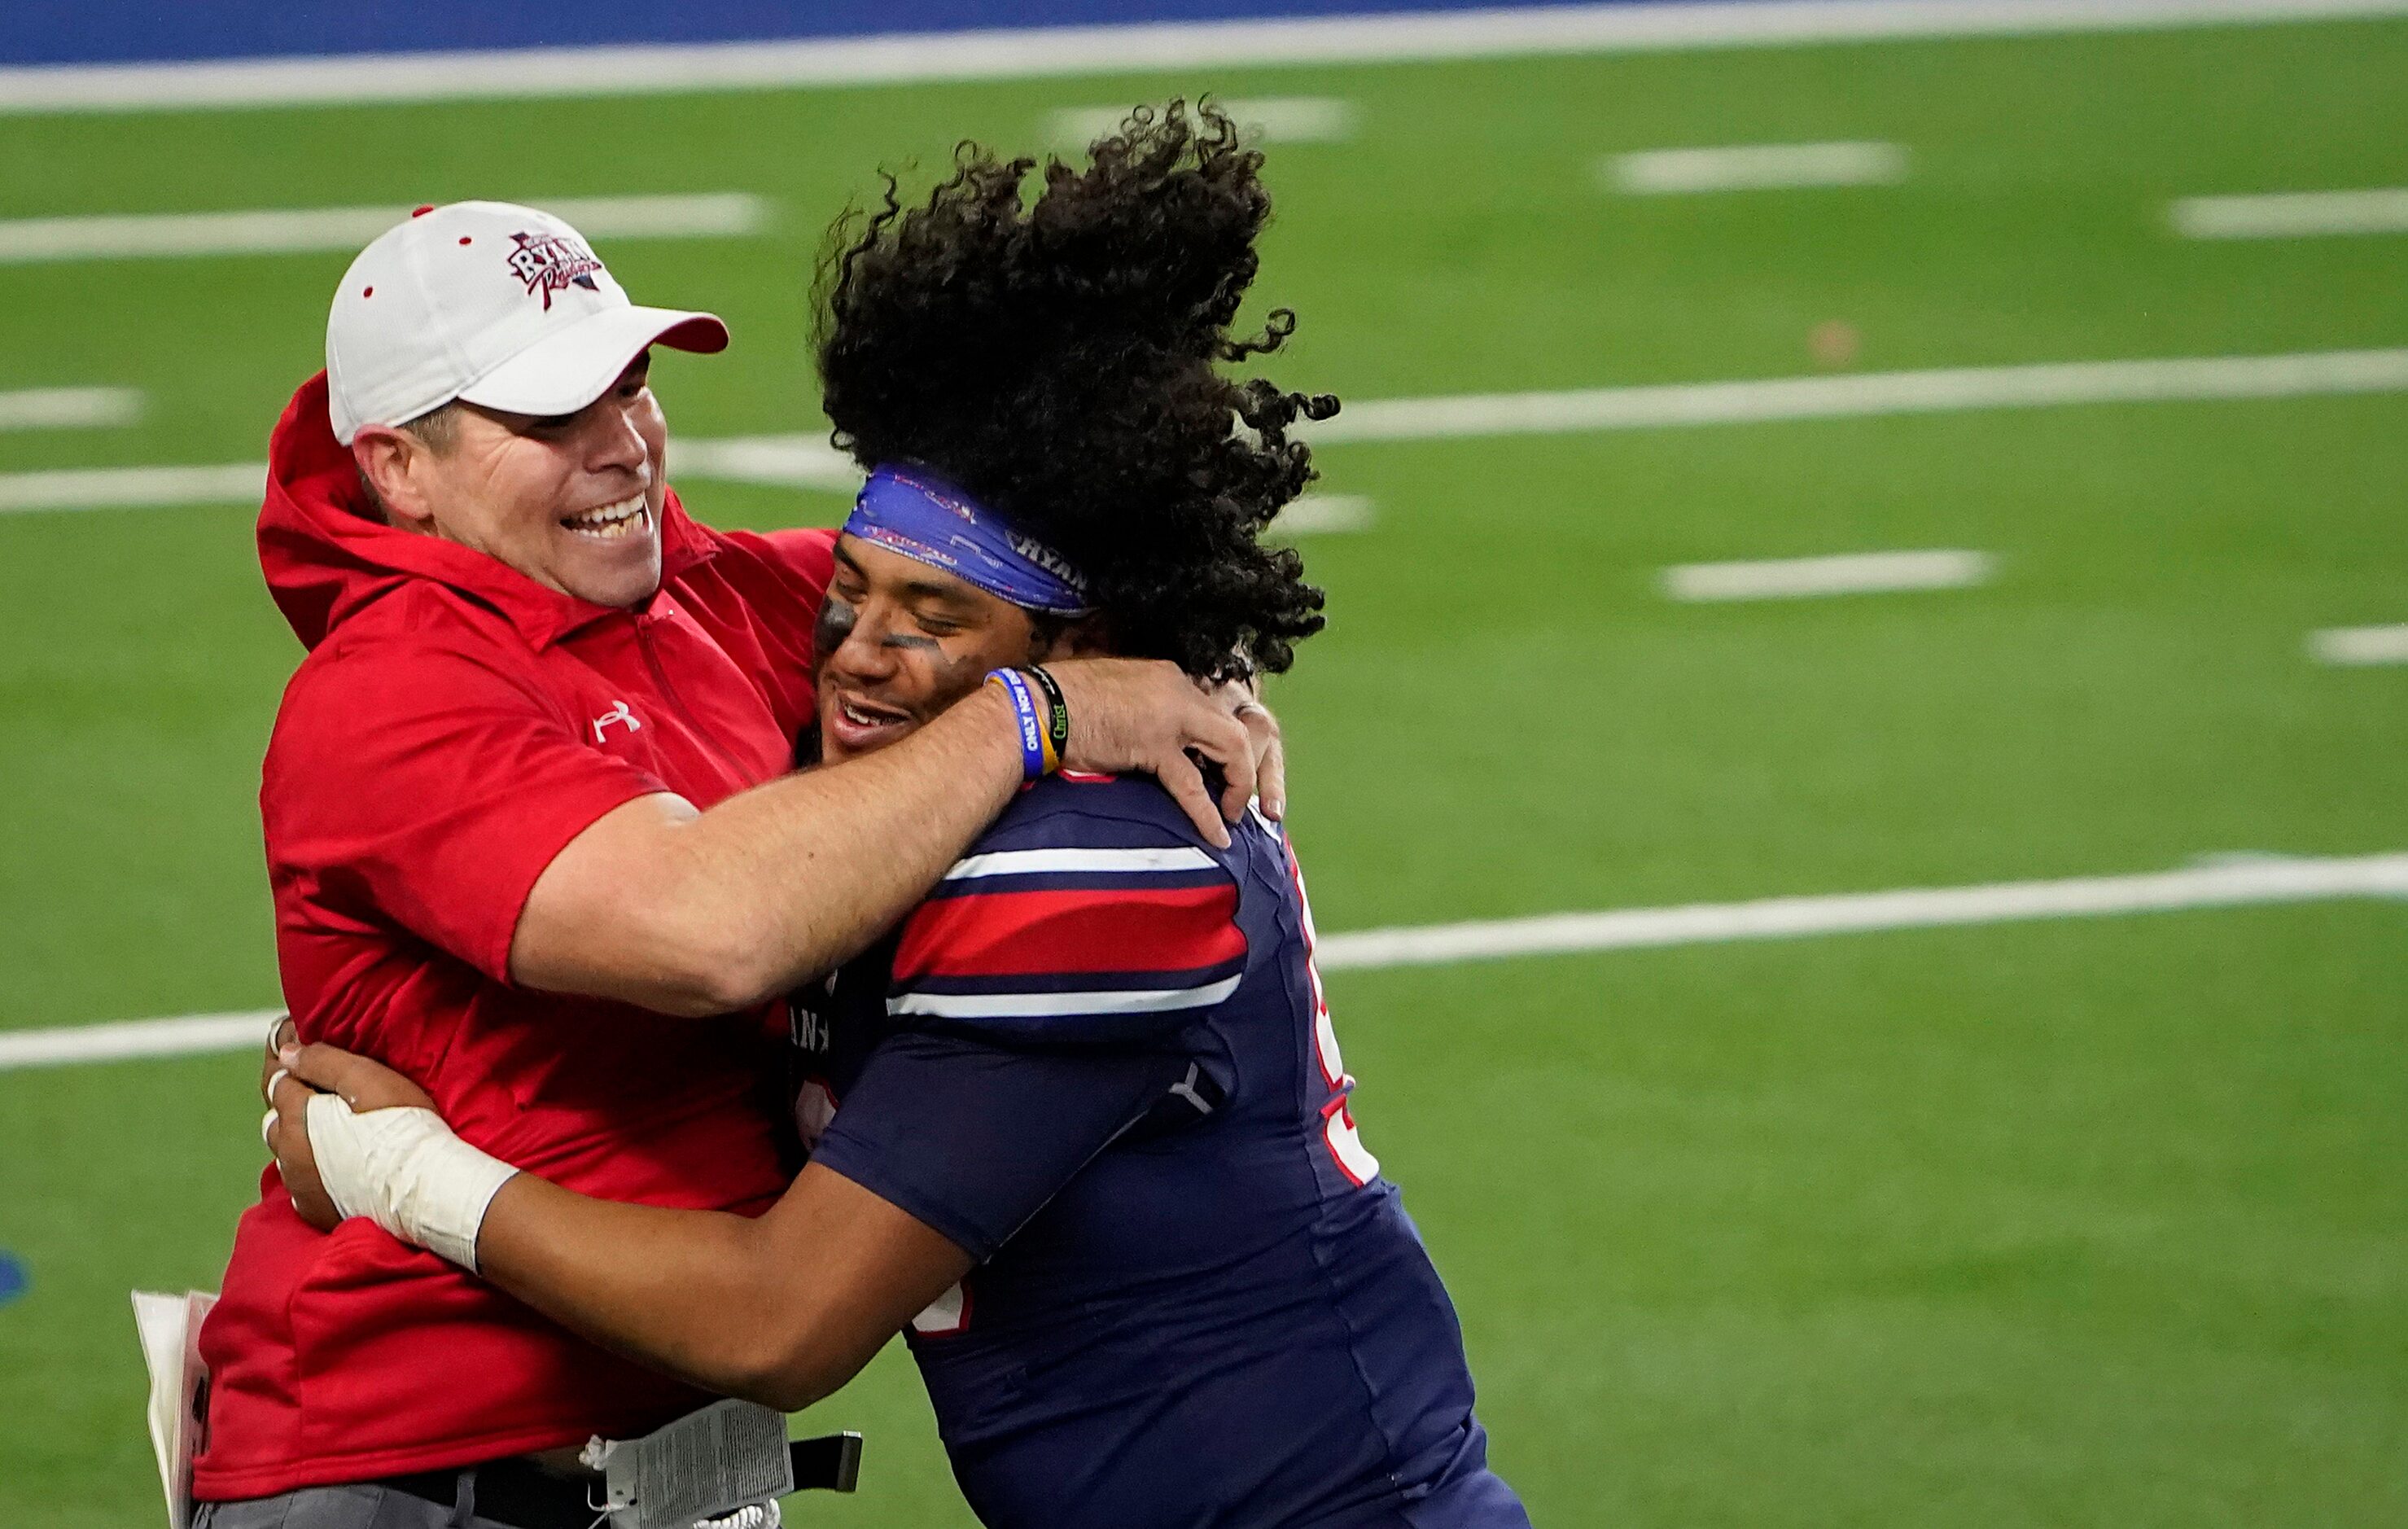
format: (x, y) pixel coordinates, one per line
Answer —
(782, 1309)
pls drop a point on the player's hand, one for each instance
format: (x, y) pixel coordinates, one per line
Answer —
(1139, 713)
(301, 1070)
(280, 1036)
(285, 1133)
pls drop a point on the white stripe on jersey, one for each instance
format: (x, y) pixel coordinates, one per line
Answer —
(1042, 1005)
(1030, 862)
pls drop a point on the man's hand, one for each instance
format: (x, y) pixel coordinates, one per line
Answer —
(294, 1072)
(1145, 715)
(1245, 703)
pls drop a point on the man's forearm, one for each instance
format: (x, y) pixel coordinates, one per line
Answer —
(817, 865)
(702, 914)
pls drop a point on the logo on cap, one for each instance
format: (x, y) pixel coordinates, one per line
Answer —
(548, 263)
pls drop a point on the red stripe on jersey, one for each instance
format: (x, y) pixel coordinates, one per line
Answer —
(995, 934)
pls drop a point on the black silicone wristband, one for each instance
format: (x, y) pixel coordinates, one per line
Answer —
(1057, 721)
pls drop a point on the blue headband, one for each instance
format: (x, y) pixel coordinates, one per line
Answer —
(929, 521)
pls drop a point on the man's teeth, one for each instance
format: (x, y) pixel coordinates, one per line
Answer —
(860, 718)
(611, 521)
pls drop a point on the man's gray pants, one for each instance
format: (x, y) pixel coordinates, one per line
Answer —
(346, 1508)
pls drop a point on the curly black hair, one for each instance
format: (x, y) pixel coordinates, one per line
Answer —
(1057, 360)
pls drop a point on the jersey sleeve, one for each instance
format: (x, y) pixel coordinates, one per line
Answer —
(1063, 928)
(1037, 1001)
(427, 788)
(971, 1137)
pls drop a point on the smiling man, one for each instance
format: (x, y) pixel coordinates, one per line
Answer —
(532, 835)
(1080, 1123)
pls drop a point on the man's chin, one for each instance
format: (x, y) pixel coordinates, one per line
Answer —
(614, 576)
(622, 592)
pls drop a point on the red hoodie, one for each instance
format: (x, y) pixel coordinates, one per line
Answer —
(452, 727)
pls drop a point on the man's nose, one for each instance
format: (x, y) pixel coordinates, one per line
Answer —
(613, 439)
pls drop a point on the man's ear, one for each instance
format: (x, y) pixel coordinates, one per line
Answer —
(392, 463)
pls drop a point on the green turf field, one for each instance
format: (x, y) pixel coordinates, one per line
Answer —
(2101, 1222)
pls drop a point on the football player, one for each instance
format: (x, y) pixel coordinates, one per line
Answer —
(1079, 1125)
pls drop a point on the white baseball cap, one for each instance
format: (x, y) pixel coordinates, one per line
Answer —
(498, 305)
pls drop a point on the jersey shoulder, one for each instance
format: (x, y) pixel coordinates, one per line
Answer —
(1091, 912)
(1098, 807)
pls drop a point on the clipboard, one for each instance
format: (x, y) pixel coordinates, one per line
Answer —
(170, 1329)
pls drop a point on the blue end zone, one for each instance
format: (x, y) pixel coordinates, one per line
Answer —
(133, 30)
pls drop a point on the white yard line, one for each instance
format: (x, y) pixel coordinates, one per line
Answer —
(132, 488)
(2293, 214)
(68, 408)
(780, 461)
(2224, 883)
(1850, 573)
(896, 59)
(1325, 515)
(807, 461)
(195, 1034)
(1269, 119)
(285, 230)
(1869, 392)
(2359, 646)
(1760, 166)
(2224, 886)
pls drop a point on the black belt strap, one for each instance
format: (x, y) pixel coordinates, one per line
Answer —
(523, 1495)
(831, 1462)
(517, 1492)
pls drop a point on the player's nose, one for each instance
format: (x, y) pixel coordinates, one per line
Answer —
(865, 655)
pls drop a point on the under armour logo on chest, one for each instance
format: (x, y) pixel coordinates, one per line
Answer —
(618, 713)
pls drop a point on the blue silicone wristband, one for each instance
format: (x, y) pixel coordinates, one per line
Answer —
(1028, 716)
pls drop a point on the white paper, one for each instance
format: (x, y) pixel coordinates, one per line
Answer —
(728, 1456)
(170, 1330)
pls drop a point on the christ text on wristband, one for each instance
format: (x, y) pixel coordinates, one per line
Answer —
(1058, 719)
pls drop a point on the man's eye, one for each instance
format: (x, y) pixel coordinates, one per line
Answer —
(938, 626)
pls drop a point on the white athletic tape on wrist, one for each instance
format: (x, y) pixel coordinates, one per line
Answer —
(403, 1170)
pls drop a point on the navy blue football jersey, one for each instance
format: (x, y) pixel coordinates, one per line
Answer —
(1097, 1058)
